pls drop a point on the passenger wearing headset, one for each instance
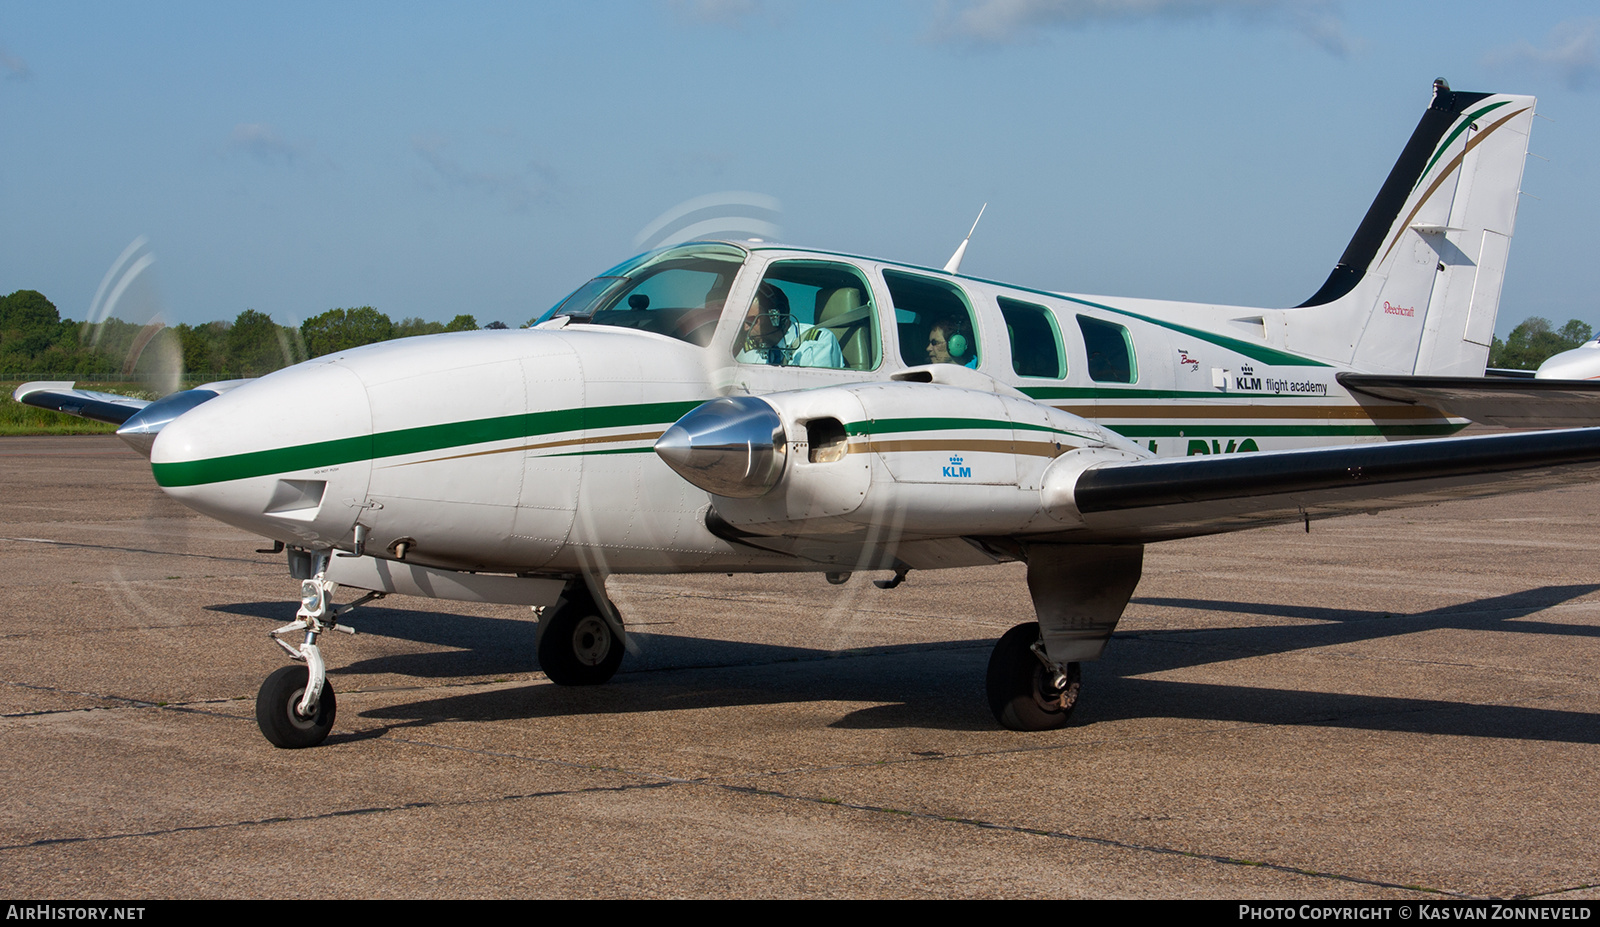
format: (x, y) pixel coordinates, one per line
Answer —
(949, 344)
(772, 336)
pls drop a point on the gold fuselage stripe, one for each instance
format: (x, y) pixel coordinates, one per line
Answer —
(565, 442)
(1178, 409)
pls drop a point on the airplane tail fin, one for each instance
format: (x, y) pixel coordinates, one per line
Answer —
(1417, 289)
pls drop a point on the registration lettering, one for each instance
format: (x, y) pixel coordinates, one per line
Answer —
(1196, 446)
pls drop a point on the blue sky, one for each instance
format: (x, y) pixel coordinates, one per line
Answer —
(488, 158)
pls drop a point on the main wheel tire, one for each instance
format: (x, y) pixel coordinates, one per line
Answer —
(278, 715)
(579, 648)
(1022, 694)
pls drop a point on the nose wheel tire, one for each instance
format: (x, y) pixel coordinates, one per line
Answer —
(1023, 692)
(579, 648)
(278, 710)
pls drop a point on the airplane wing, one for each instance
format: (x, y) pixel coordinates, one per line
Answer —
(936, 462)
(63, 396)
(1513, 403)
(139, 420)
(1152, 500)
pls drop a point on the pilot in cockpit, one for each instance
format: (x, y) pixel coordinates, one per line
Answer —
(949, 343)
(771, 335)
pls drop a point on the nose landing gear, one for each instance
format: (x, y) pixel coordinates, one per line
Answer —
(279, 715)
(296, 706)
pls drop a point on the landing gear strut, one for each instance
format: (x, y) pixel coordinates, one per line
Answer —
(296, 707)
(578, 643)
(1028, 692)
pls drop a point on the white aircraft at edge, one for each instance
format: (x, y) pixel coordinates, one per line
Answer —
(1580, 363)
(743, 406)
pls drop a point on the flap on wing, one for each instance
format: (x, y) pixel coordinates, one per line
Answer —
(1154, 500)
(1512, 403)
(61, 396)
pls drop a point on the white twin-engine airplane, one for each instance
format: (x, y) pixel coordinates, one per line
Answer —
(742, 406)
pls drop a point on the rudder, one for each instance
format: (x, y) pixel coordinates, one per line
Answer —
(1418, 287)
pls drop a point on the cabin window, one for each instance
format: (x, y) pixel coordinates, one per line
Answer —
(1035, 341)
(810, 314)
(935, 321)
(1110, 351)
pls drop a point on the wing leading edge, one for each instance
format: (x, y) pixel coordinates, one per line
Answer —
(138, 420)
(1155, 500)
(63, 396)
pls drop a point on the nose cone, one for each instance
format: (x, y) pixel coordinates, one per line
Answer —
(139, 432)
(730, 447)
(287, 456)
(1577, 364)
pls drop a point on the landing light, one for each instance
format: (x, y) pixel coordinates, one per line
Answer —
(311, 602)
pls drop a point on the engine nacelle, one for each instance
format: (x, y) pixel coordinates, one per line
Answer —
(909, 458)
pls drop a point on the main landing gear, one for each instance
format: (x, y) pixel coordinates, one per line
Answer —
(296, 706)
(1078, 592)
(1028, 692)
(579, 644)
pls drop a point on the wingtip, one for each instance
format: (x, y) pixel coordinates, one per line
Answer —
(36, 386)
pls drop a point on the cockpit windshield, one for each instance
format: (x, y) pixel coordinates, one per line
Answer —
(676, 291)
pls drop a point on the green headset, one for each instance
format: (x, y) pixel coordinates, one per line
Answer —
(955, 337)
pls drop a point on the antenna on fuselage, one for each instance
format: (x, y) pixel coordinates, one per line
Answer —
(954, 264)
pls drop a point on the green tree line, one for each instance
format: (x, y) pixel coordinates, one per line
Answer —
(1534, 341)
(36, 342)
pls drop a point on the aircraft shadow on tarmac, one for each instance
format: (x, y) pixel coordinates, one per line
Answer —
(940, 685)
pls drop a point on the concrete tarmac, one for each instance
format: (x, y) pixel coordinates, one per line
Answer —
(1399, 706)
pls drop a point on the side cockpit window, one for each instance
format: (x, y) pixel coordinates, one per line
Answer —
(935, 321)
(677, 292)
(1110, 351)
(810, 314)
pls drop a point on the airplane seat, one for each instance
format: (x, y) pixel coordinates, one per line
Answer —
(842, 311)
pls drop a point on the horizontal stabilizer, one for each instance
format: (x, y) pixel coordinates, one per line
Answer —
(62, 396)
(1155, 500)
(1512, 403)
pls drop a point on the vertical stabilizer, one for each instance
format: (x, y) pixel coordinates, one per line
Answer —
(1418, 287)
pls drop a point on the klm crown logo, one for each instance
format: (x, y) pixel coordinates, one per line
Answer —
(955, 469)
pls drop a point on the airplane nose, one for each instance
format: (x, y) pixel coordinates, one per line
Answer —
(139, 432)
(287, 456)
(732, 446)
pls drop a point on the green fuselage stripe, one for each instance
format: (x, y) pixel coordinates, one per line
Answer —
(885, 426)
(426, 438)
(261, 463)
(1253, 351)
(1213, 397)
(1249, 430)
(413, 441)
